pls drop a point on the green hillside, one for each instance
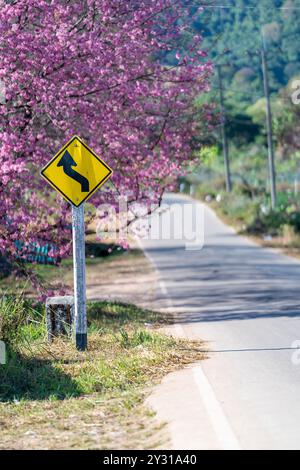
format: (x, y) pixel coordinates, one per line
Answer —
(232, 32)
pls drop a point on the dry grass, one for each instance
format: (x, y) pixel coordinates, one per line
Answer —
(54, 397)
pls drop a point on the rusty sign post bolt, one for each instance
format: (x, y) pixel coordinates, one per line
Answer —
(79, 276)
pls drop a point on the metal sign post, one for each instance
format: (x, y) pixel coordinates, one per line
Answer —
(78, 231)
(76, 172)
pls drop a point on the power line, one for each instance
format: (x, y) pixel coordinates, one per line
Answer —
(251, 94)
(246, 7)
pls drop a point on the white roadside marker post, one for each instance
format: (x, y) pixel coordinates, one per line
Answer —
(78, 232)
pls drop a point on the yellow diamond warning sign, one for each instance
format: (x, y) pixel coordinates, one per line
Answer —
(76, 171)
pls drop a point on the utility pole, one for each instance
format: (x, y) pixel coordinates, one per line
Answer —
(272, 173)
(223, 130)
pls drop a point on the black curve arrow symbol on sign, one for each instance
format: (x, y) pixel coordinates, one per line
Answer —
(67, 163)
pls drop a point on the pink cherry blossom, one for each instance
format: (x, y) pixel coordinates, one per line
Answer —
(93, 68)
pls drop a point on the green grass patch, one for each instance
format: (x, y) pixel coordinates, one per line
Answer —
(40, 381)
(120, 345)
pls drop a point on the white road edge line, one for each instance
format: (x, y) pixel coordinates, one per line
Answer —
(219, 420)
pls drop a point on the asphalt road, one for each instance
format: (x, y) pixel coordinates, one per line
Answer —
(244, 302)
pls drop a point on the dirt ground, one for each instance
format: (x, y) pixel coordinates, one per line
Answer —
(129, 277)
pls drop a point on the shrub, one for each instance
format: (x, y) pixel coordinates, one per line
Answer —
(273, 221)
(294, 221)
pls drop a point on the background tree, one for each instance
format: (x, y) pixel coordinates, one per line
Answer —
(92, 68)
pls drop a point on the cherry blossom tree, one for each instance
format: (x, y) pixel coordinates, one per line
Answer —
(94, 68)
